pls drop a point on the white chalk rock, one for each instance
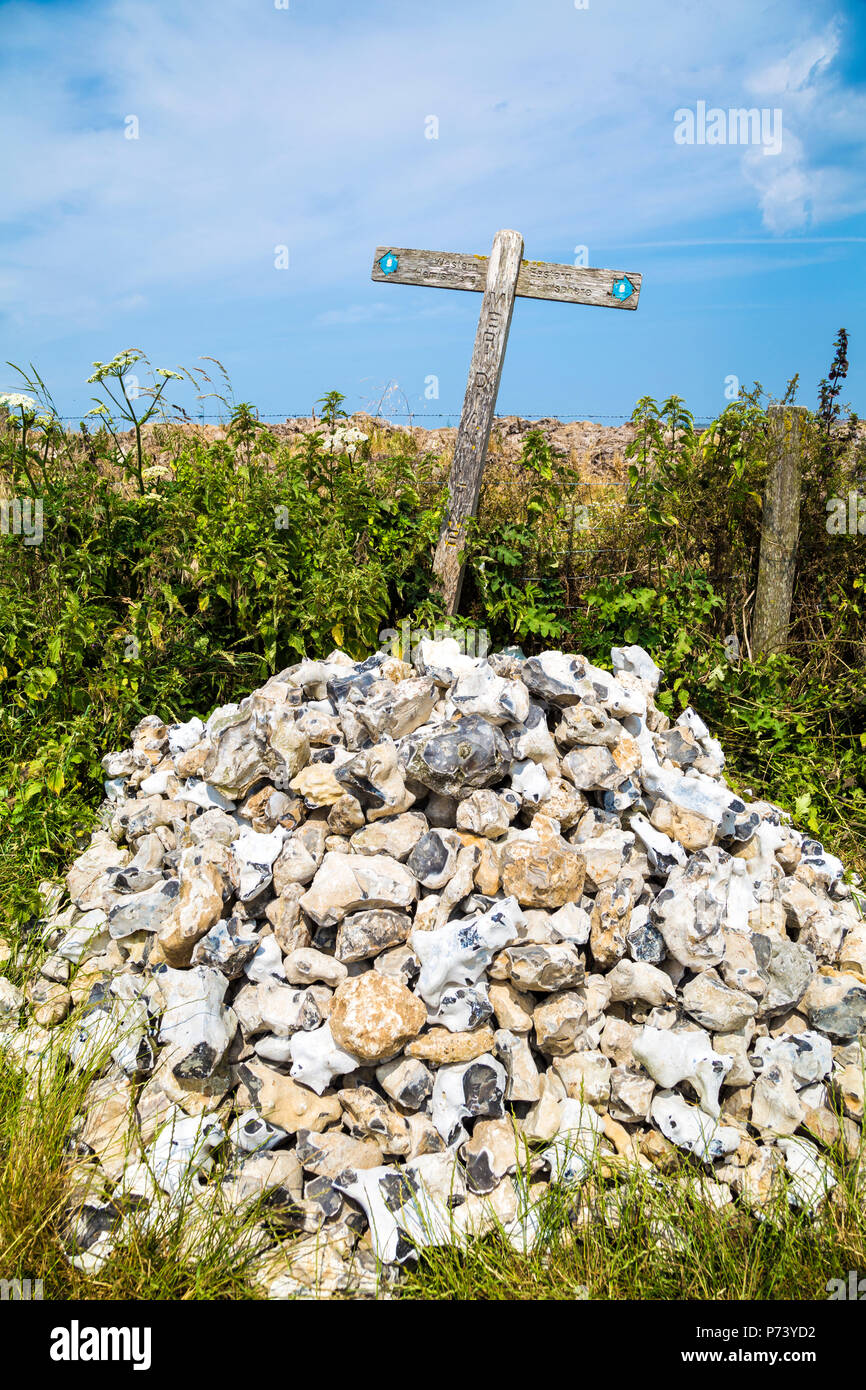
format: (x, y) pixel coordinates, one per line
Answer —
(467, 1089)
(88, 937)
(671, 1057)
(316, 1058)
(144, 911)
(636, 662)
(250, 1134)
(184, 736)
(195, 1025)
(459, 952)
(181, 1149)
(444, 660)
(811, 1176)
(253, 856)
(463, 1007)
(157, 784)
(266, 965)
(481, 691)
(530, 781)
(410, 1207)
(571, 923)
(662, 852)
(691, 1128)
(570, 1153)
(284, 1011)
(809, 1055)
(199, 793)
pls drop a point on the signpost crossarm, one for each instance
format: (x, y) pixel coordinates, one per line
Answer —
(501, 276)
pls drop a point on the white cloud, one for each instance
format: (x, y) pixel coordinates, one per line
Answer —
(798, 68)
(783, 184)
(800, 186)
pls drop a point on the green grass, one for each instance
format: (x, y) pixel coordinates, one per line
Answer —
(43, 1182)
(664, 1244)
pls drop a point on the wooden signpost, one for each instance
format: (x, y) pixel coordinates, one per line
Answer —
(500, 276)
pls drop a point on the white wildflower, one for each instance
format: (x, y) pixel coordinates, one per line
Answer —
(344, 437)
(117, 366)
(16, 400)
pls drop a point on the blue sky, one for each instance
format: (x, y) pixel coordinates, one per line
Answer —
(306, 127)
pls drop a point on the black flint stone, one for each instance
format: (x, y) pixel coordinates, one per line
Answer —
(249, 1079)
(307, 1148)
(359, 786)
(93, 1223)
(325, 939)
(278, 1203)
(481, 1091)
(145, 1058)
(429, 856)
(472, 753)
(647, 944)
(97, 996)
(361, 678)
(661, 864)
(397, 1190)
(413, 1096)
(198, 1065)
(324, 1194)
(479, 1174)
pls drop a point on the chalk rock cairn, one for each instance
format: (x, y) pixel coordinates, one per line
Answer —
(388, 949)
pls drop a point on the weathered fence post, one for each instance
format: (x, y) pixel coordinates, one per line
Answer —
(779, 530)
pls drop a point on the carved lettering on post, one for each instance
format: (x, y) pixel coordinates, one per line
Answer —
(476, 419)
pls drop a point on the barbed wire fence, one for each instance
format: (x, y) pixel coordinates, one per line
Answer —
(589, 417)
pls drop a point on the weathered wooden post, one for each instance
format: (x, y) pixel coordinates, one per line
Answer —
(502, 276)
(476, 419)
(779, 530)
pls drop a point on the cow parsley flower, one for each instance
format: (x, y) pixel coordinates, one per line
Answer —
(345, 437)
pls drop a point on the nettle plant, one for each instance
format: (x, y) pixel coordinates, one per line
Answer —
(127, 413)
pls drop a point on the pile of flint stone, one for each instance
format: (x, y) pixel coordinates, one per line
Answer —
(388, 948)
